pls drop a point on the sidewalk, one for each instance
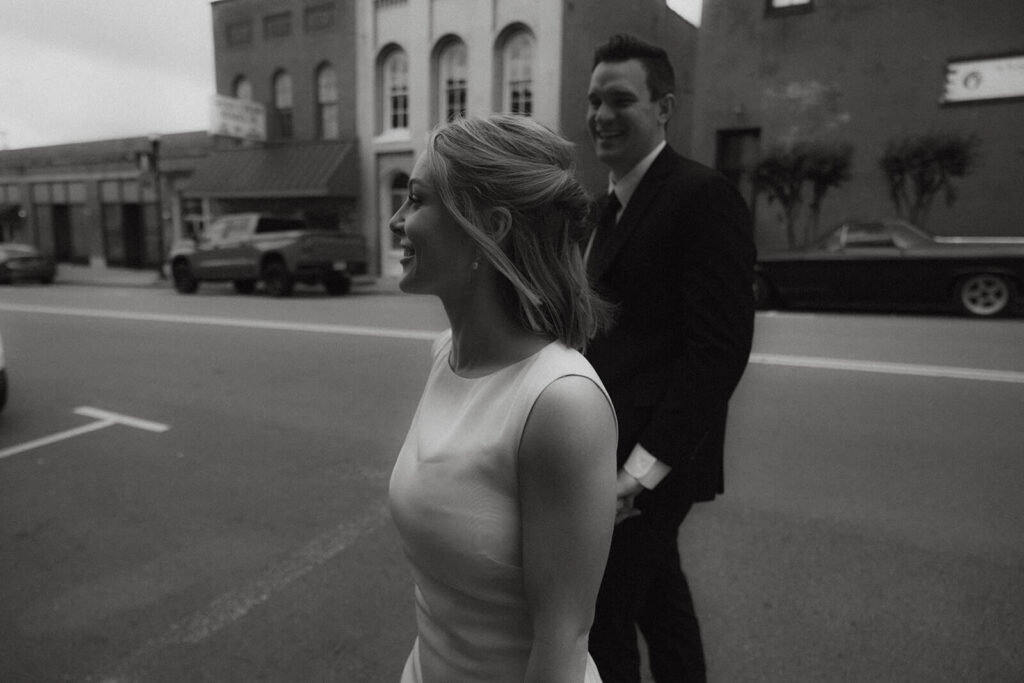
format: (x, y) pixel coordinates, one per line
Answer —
(73, 274)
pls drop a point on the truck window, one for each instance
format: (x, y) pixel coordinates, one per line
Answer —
(279, 225)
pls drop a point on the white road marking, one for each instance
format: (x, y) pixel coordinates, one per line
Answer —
(819, 363)
(231, 606)
(103, 419)
(943, 371)
(356, 330)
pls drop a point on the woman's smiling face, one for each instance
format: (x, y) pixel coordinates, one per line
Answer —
(437, 254)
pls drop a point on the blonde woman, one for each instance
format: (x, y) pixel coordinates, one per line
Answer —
(504, 491)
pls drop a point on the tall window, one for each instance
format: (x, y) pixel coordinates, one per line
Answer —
(451, 78)
(517, 76)
(327, 103)
(396, 91)
(283, 104)
(243, 88)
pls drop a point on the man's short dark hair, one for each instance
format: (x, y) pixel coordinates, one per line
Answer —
(661, 78)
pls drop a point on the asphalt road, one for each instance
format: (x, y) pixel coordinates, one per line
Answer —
(224, 519)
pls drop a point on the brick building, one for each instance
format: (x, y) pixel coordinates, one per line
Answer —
(775, 72)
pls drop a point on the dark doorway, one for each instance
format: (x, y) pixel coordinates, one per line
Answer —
(63, 251)
(134, 236)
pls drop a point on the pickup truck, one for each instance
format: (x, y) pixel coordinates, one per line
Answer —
(247, 248)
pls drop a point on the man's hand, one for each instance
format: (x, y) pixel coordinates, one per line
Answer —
(626, 490)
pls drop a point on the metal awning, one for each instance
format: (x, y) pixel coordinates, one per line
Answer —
(314, 169)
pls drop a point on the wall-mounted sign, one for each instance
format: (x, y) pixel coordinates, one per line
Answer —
(237, 118)
(989, 78)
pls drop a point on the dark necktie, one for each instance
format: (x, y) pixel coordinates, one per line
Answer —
(605, 224)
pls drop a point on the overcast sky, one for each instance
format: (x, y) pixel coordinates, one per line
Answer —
(77, 70)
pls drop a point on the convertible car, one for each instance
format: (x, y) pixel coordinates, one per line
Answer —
(894, 266)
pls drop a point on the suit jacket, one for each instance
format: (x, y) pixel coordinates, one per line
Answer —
(679, 265)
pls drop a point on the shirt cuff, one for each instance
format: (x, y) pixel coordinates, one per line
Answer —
(645, 468)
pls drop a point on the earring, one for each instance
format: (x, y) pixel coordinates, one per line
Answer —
(476, 263)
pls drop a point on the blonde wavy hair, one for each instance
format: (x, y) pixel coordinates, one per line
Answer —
(510, 183)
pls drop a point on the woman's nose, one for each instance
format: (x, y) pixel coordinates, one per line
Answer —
(396, 224)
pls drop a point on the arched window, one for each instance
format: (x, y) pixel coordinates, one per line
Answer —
(283, 104)
(243, 88)
(517, 74)
(328, 126)
(399, 191)
(395, 91)
(451, 81)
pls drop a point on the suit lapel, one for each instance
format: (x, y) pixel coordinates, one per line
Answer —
(645, 193)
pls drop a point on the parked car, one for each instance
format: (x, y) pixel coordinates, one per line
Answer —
(21, 262)
(247, 248)
(892, 265)
(3, 377)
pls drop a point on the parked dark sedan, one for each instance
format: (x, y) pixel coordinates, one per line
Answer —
(19, 262)
(892, 265)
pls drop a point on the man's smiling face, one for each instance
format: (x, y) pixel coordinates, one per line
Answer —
(624, 123)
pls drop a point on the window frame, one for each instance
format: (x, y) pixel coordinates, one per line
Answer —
(327, 102)
(793, 7)
(238, 33)
(517, 73)
(395, 91)
(284, 104)
(452, 80)
(277, 25)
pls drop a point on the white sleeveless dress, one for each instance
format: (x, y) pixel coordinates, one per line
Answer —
(454, 499)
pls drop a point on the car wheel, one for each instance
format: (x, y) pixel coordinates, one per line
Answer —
(764, 297)
(338, 286)
(185, 281)
(245, 286)
(278, 280)
(983, 295)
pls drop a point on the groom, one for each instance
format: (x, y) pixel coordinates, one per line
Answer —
(675, 251)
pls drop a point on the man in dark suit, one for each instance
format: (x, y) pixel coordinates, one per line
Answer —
(677, 258)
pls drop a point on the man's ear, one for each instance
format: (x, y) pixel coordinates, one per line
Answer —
(666, 107)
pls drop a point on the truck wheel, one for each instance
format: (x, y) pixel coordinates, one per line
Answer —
(338, 285)
(184, 280)
(245, 286)
(278, 280)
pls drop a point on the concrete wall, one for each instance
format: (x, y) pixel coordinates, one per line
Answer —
(865, 72)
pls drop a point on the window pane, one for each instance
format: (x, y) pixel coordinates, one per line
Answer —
(239, 32)
(277, 25)
(396, 91)
(452, 81)
(319, 17)
(243, 88)
(518, 74)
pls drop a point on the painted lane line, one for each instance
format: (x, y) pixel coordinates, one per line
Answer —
(234, 605)
(354, 330)
(1007, 376)
(117, 418)
(103, 419)
(942, 371)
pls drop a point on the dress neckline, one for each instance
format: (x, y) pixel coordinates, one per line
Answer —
(504, 368)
